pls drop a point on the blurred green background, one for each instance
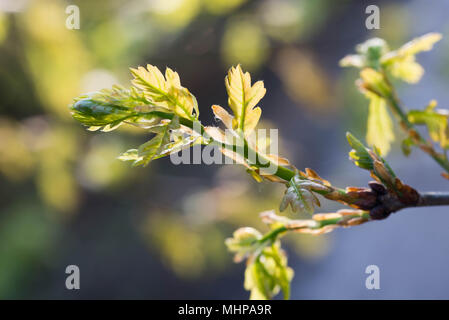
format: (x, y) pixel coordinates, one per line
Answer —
(158, 232)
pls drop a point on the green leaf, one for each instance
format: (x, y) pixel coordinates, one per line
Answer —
(109, 108)
(379, 127)
(130, 155)
(300, 197)
(352, 60)
(370, 160)
(406, 146)
(152, 148)
(372, 50)
(401, 62)
(359, 153)
(159, 146)
(244, 243)
(165, 92)
(407, 69)
(268, 274)
(258, 282)
(436, 121)
(413, 47)
(99, 114)
(369, 54)
(243, 99)
(374, 53)
(374, 82)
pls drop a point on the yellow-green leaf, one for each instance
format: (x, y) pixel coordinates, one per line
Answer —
(243, 98)
(266, 275)
(401, 62)
(407, 69)
(159, 146)
(374, 82)
(223, 115)
(423, 43)
(380, 127)
(436, 121)
(352, 60)
(300, 197)
(243, 243)
(165, 91)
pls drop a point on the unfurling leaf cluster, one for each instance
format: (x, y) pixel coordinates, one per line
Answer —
(266, 269)
(376, 62)
(160, 104)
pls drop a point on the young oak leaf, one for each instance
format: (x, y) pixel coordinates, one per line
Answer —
(436, 121)
(300, 197)
(165, 91)
(229, 137)
(368, 54)
(372, 160)
(107, 109)
(379, 127)
(401, 62)
(159, 146)
(359, 154)
(413, 47)
(269, 273)
(243, 98)
(373, 81)
(244, 242)
(221, 114)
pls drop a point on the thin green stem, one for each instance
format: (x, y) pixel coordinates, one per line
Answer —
(395, 105)
(273, 234)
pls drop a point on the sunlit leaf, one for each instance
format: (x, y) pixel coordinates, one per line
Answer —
(379, 127)
(436, 121)
(223, 115)
(369, 54)
(159, 146)
(300, 197)
(423, 43)
(407, 69)
(352, 60)
(165, 91)
(268, 274)
(401, 62)
(374, 81)
(243, 243)
(109, 108)
(130, 155)
(374, 53)
(243, 98)
(359, 153)
(371, 160)
(215, 133)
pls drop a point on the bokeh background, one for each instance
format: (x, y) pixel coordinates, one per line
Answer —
(158, 232)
